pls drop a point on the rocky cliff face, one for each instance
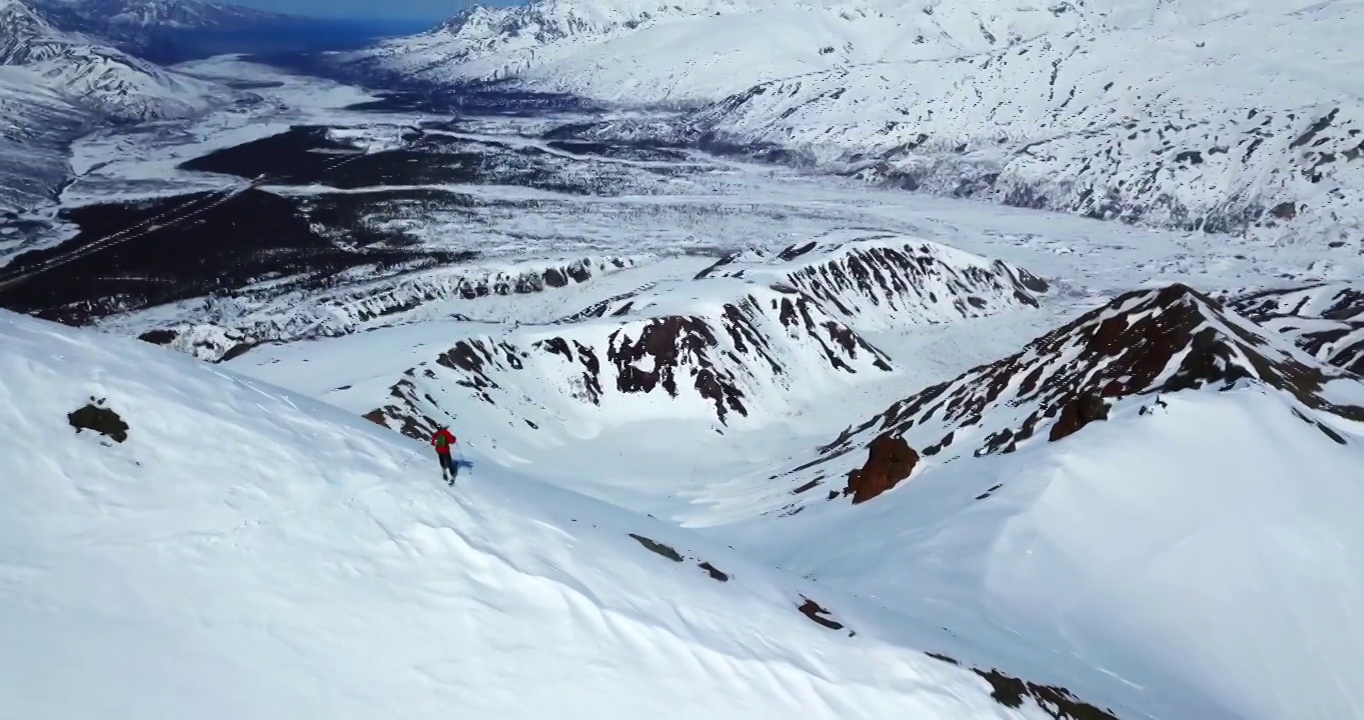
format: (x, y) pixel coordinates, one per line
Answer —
(1326, 320)
(739, 343)
(1145, 343)
(875, 280)
(726, 360)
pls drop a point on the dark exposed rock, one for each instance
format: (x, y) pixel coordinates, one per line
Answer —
(890, 460)
(714, 573)
(1011, 692)
(1325, 320)
(812, 610)
(658, 547)
(95, 417)
(158, 337)
(1080, 411)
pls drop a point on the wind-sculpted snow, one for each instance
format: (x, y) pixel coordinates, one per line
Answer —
(224, 326)
(1145, 343)
(185, 542)
(1325, 320)
(726, 350)
(878, 280)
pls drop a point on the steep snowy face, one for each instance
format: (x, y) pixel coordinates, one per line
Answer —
(1147, 544)
(1325, 320)
(180, 541)
(1146, 343)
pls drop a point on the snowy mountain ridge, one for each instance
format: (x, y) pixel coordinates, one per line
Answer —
(154, 29)
(1141, 346)
(747, 339)
(223, 327)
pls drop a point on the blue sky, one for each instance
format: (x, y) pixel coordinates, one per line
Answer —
(388, 9)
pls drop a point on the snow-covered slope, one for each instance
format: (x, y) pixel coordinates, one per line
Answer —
(1160, 488)
(203, 545)
(694, 50)
(100, 79)
(1243, 121)
(1203, 548)
(35, 119)
(1223, 116)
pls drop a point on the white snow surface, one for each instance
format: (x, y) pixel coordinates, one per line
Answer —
(1207, 548)
(251, 553)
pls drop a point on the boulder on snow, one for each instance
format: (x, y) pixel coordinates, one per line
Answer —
(1080, 411)
(99, 419)
(889, 460)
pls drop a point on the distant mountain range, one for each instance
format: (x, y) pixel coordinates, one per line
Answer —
(68, 66)
(1238, 117)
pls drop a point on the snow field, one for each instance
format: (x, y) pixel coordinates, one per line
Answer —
(248, 552)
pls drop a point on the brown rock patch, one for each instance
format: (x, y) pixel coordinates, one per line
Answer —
(1082, 410)
(890, 460)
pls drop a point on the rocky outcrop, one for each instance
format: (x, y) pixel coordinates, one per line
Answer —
(876, 279)
(1144, 342)
(727, 353)
(1078, 412)
(890, 460)
(1011, 692)
(97, 418)
(1326, 320)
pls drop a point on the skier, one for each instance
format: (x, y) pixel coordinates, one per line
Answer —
(444, 442)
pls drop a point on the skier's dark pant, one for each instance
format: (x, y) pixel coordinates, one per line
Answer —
(447, 464)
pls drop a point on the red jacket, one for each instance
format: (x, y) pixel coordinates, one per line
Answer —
(443, 441)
